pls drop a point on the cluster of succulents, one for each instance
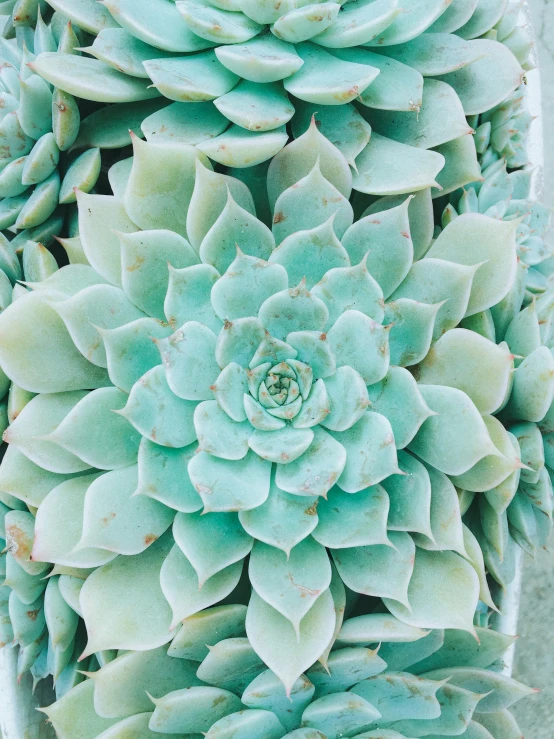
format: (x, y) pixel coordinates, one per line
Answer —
(297, 369)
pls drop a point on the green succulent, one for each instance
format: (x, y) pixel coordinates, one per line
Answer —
(383, 680)
(258, 397)
(503, 131)
(250, 70)
(38, 126)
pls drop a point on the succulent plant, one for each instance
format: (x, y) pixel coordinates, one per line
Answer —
(38, 126)
(249, 70)
(258, 396)
(410, 684)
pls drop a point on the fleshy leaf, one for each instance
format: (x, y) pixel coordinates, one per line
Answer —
(246, 284)
(283, 521)
(340, 714)
(39, 417)
(213, 24)
(123, 581)
(345, 336)
(494, 245)
(157, 24)
(387, 167)
(262, 59)
(342, 125)
(317, 470)
(348, 287)
(440, 119)
(398, 398)
(211, 543)
(95, 307)
(414, 20)
(239, 147)
(115, 520)
(290, 583)
(192, 709)
(370, 452)
(99, 217)
(157, 413)
(373, 628)
(458, 426)
(74, 715)
(267, 692)
(469, 362)
(461, 166)
(235, 226)
(305, 22)
(90, 79)
(411, 330)
(451, 576)
(379, 570)
(347, 520)
(386, 235)
(38, 353)
(188, 296)
(281, 446)
(435, 281)
(250, 723)
(309, 203)
(183, 123)
(310, 254)
(358, 25)
(344, 668)
(347, 399)
(489, 80)
(446, 520)
(97, 435)
(207, 627)
(182, 590)
(144, 259)
(502, 690)
(211, 206)
(163, 476)
(325, 80)
(131, 350)
(189, 361)
(152, 199)
(285, 652)
(297, 160)
(227, 485)
(191, 79)
(291, 311)
(400, 695)
(410, 497)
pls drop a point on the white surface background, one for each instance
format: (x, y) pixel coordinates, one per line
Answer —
(535, 649)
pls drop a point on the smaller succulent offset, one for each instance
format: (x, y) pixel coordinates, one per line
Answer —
(38, 126)
(382, 680)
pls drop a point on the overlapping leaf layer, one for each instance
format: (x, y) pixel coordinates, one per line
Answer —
(437, 683)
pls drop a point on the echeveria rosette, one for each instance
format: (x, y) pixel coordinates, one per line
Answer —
(250, 68)
(38, 127)
(243, 384)
(415, 683)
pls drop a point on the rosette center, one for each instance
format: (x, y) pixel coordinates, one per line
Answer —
(282, 387)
